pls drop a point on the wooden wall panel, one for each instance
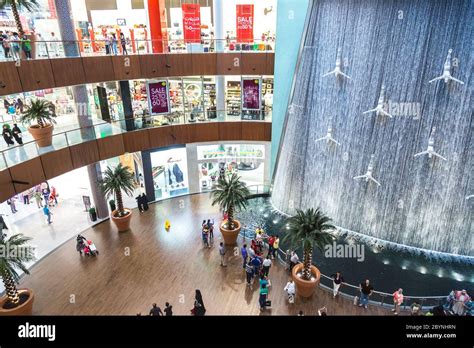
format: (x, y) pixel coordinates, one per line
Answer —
(7, 189)
(136, 141)
(179, 64)
(126, 67)
(98, 69)
(161, 136)
(30, 171)
(205, 132)
(111, 146)
(230, 131)
(270, 67)
(226, 63)
(253, 63)
(36, 74)
(268, 131)
(253, 130)
(183, 133)
(204, 64)
(153, 65)
(84, 154)
(68, 71)
(9, 79)
(57, 162)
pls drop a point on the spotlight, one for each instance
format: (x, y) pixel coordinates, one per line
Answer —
(386, 262)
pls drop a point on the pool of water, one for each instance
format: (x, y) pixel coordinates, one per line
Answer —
(388, 267)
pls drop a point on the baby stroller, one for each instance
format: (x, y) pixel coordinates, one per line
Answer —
(86, 246)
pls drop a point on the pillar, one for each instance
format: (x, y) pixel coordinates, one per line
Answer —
(127, 105)
(158, 25)
(193, 171)
(148, 176)
(66, 28)
(219, 36)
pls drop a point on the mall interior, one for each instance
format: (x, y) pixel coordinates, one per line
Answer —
(237, 157)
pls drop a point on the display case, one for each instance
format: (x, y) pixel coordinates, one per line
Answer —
(233, 98)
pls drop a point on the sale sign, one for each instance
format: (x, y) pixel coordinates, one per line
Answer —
(158, 97)
(251, 94)
(244, 23)
(191, 23)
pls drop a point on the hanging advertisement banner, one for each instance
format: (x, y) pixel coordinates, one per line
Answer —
(158, 97)
(251, 93)
(244, 16)
(191, 23)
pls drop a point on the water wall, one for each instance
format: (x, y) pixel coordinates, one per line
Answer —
(422, 201)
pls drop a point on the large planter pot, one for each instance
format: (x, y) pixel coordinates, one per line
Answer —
(230, 236)
(305, 288)
(122, 223)
(26, 308)
(43, 136)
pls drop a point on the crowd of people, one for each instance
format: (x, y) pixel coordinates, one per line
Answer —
(198, 308)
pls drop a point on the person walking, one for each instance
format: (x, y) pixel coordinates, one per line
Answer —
(16, 132)
(113, 44)
(210, 226)
(205, 234)
(155, 311)
(222, 254)
(245, 254)
(48, 213)
(26, 46)
(267, 263)
(168, 309)
(123, 42)
(144, 202)
(53, 45)
(294, 260)
(19, 106)
(249, 272)
(26, 197)
(139, 200)
(256, 263)
(461, 298)
(263, 298)
(11, 203)
(7, 135)
(290, 290)
(270, 241)
(276, 245)
(337, 281)
(37, 197)
(366, 290)
(15, 46)
(199, 309)
(4, 40)
(397, 301)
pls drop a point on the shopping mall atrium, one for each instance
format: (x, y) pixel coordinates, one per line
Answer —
(237, 157)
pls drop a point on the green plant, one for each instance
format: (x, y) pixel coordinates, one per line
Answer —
(14, 253)
(29, 5)
(42, 112)
(231, 194)
(308, 229)
(115, 181)
(92, 210)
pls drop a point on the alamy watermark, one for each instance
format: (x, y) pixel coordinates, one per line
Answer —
(353, 251)
(12, 251)
(403, 109)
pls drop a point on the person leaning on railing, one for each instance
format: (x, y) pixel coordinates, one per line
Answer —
(366, 290)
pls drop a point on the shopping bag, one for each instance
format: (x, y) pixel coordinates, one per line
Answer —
(268, 303)
(356, 300)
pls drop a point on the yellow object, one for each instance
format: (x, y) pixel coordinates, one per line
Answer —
(167, 224)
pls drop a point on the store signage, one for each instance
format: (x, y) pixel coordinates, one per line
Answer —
(244, 23)
(158, 97)
(191, 22)
(251, 93)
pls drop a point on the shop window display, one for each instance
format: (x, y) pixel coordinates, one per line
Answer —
(170, 172)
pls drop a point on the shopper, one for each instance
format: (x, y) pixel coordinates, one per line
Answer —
(450, 300)
(294, 260)
(366, 291)
(26, 197)
(210, 226)
(15, 45)
(48, 213)
(139, 200)
(270, 241)
(244, 254)
(267, 263)
(144, 202)
(107, 44)
(249, 272)
(337, 281)
(415, 309)
(19, 106)
(222, 252)
(7, 135)
(37, 197)
(11, 203)
(113, 44)
(46, 196)
(290, 290)
(263, 298)
(199, 308)
(276, 245)
(168, 309)
(256, 263)
(4, 40)
(155, 311)
(461, 298)
(205, 234)
(26, 46)
(397, 301)
(16, 132)
(123, 42)
(53, 45)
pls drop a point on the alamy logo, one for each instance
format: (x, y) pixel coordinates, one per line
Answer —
(37, 331)
(403, 109)
(334, 250)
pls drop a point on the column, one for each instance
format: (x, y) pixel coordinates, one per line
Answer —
(219, 36)
(148, 176)
(193, 168)
(81, 98)
(127, 105)
(158, 25)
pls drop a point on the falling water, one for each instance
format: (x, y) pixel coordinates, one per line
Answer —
(402, 44)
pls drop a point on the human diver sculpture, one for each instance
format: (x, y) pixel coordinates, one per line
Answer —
(446, 76)
(379, 111)
(338, 69)
(368, 175)
(430, 150)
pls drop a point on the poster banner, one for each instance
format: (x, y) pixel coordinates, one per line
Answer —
(191, 23)
(158, 97)
(244, 26)
(251, 93)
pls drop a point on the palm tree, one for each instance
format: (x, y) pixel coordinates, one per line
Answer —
(310, 229)
(41, 111)
(231, 194)
(14, 255)
(116, 180)
(29, 5)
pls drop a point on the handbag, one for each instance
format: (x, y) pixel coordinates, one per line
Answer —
(268, 303)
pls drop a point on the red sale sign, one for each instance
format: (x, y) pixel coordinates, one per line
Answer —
(158, 97)
(191, 23)
(244, 23)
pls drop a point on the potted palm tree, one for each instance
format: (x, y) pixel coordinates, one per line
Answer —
(15, 253)
(307, 229)
(231, 195)
(115, 181)
(40, 116)
(15, 5)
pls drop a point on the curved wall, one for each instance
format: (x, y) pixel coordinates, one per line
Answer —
(402, 44)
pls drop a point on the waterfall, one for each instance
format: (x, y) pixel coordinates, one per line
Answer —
(401, 44)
